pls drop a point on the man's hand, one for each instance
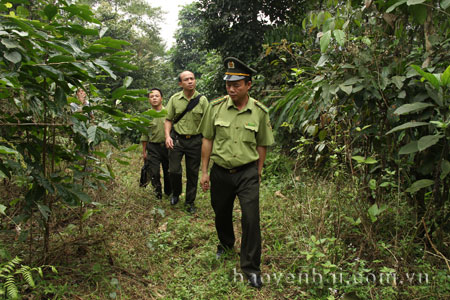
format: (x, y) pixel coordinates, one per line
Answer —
(204, 181)
(144, 156)
(169, 143)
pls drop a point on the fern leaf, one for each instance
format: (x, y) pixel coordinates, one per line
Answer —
(25, 271)
(11, 288)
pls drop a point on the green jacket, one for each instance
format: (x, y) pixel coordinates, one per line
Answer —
(155, 131)
(189, 124)
(236, 134)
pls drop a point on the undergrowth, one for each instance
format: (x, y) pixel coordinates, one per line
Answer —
(319, 242)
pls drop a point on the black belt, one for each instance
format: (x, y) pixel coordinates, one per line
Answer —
(186, 136)
(237, 169)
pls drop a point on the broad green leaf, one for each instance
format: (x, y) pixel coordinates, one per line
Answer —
(358, 158)
(415, 2)
(10, 44)
(322, 60)
(352, 81)
(419, 13)
(44, 210)
(340, 37)
(83, 11)
(428, 76)
(411, 108)
(445, 4)
(325, 41)
(418, 185)
(6, 150)
(407, 125)
(50, 11)
(127, 81)
(372, 184)
(61, 59)
(155, 114)
(394, 6)
(112, 43)
(13, 57)
(445, 169)
(346, 88)
(122, 162)
(119, 92)
(75, 28)
(131, 148)
(92, 131)
(409, 148)
(105, 66)
(445, 77)
(2, 209)
(373, 212)
(428, 141)
(370, 161)
(60, 97)
(398, 81)
(366, 40)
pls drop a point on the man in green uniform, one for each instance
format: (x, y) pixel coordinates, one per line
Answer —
(154, 151)
(236, 132)
(185, 138)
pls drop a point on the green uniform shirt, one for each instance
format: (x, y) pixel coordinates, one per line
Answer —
(155, 131)
(235, 133)
(189, 124)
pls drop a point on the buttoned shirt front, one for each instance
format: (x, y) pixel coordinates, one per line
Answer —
(155, 131)
(236, 133)
(189, 124)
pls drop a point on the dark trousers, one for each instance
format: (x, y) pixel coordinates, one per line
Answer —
(157, 155)
(191, 148)
(244, 184)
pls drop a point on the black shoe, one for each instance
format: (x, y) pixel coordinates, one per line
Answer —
(254, 280)
(222, 252)
(174, 200)
(190, 208)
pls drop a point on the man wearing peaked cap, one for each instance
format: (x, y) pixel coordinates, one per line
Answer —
(236, 132)
(236, 69)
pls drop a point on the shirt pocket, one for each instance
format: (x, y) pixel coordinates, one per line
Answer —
(197, 113)
(249, 134)
(222, 129)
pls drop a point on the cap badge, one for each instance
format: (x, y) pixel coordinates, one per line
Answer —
(231, 64)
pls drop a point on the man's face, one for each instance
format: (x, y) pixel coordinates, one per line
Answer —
(155, 98)
(81, 95)
(238, 90)
(187, 81)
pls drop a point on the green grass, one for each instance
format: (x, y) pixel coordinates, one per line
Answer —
(137, 247)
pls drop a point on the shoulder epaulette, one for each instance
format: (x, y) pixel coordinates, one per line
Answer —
(218, 100)
(262, 106)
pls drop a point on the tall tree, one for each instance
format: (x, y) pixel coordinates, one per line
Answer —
(189, 52)
(237, 27)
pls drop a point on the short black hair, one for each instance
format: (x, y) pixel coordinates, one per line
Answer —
(156, 89)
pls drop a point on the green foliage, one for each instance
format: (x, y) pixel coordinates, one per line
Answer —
(237, 28)
(45, 146)
(11, 272)
(352, 86)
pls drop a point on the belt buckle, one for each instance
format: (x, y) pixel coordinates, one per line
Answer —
(232, 171)
(188, 136)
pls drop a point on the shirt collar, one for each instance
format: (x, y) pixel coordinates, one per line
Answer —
(250, 104)
(183, 96)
